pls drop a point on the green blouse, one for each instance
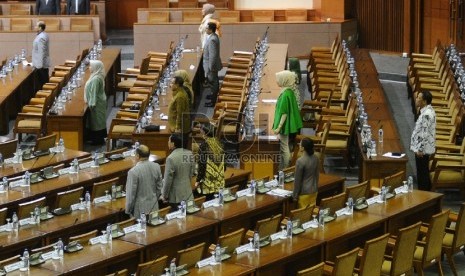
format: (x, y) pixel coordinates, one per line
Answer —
(287, 104)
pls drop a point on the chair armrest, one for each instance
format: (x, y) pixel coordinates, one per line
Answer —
(121, 121)
(453, 217)
(23, 116)
(127, 76)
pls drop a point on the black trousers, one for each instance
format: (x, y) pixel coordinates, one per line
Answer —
(424, 182)
(41, 77)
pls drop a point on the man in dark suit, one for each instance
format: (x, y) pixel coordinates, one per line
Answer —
(75, 7)
(48, 7)
(212, 62)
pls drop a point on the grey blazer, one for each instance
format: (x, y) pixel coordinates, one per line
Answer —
(211, 55)
(40, 51)
(179, 170)
(83, 6)
(306, 176)
(51, 7)
(143, 188)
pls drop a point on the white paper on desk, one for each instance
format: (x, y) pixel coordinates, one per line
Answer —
(389, 154)
(164, 117)
(188, 51)
(280, 192)
(162, 127)
(268, 137)
(269, 100)
(25, 63)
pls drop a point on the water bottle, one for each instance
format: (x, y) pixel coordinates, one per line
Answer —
(87, 198)
(15, 220)
(96, 163)
(113, 192)
(350, 205)
(256, 241)
(253, 186)
(173, 267)
(27, 178)
(75, 166)
(380, 135)
(281, 179)
(218, 253)
(383, 194)
(37, 214)
(19, 156)
(321, 218)
(109, 235)
(61, 145)
(183, 208)
(289, 228)
(2, 162)
(143, 222)
(25, 264)
(410, 183)
(221, 197)
(59, 248)
(4, 184)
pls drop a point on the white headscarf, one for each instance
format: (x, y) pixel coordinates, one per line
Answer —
(98, 71)
(288, 79)
(209, 10)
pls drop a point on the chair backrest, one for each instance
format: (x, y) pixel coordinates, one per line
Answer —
(459, 236)
(44, 249)
(158, 17)
(3, 213)
(232, 240)
(263, 16)
(159, 4)
(25, 209)
(20, 24)
(99, 188)
(188, 4)
(268, 226)
(126, 223)
(219, 3)
(303, 214)
(373, 256)
(46, 142)
(123, 272)
(81, 24)
(194, 16)
(8, 261)
(315, 270)
(20, 9)
(295, 15)
(155, 267)
(84, 238)
(8, 149)
(68, 198)
(345, 263)
(229, 16)
(404, 249)
(334, 203)
(434, 237)
(53, 24)
(394, 180)
(190, 256)
(358, 190)
(200, 200)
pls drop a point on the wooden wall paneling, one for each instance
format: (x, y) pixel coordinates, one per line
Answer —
(123, 14)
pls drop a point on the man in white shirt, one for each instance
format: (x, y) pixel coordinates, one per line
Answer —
(423, 140)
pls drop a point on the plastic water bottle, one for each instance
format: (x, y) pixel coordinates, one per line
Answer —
(109, 235)
(173, 267)
(289, 228)
(87, 198)
(218, 253)
(383, 194)
(75, 166)
(60, 248)
(15, 221)
(350, 205)
(19, 156)
(27, 178)
(380, 135)
(113, 192)
(221, 197)
(281, 179)
(183, 208)
(37, 214)
(256, 241)
(410, 183)
(5, 183)
(143, 222)
(253, 186)
(2, 162)
(25, 265)
(61, 145)
(321, 218)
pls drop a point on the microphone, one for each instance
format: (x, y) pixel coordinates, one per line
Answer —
(75, 221)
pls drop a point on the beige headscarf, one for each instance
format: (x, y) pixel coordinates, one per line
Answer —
(208, 10)
(288, 79)
(98, 71)
(187, 82)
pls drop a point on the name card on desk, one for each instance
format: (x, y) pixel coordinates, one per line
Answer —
(243, 248)
(400, 190)
(17, 183)
(164, 117)
(77, 206)
(86, 165)
(173, 215)
(205, 262)
(309, 224)
(127, 153)
(101, 199)
(12, 267)
(64, 171)
(48, 255)
(130, 229)
(242, 193)
(341, 212)
(277, 236)
(271, 184)
(269, 100)
(373, 200)
(25, 221)
(95, 240)
(4, 228)
(210, 203)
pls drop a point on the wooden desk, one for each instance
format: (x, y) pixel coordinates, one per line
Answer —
(14, 242)
(233, 176)
(70, 121)
(15, 91)
(174, 235)
(36, 164)
(328, 185)
(282, 257)
(243, 212)
(223, 269)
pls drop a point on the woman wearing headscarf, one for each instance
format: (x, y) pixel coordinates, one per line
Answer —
(207, 12)
(210, 174)
(306, 175)
(187, 84)
(287, 118)
(94, 96)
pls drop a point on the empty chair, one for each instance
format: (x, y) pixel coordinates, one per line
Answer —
(229, 16)
(343, 265)
(315, 270)
(159, 4)
(25, 209)
(158, 17)
(44, 249)
(46, 142)
(232, 240)
(53, 24)
(358, 190)
(295, 15)
(266, 227)
(20, 24)
(334, 203)
(68, 198)
(126, 223)
(80, 24)
(155, 267)
(188, 4)
(3, 213)
(372, 258)
(194, 16)
(20, 9)
(428, 251)
(190, 256)
(31, 121)
(303, 214)
(263, 16)
(395, 180)
(99, 188)
(123, 272)
(8, 148)
(454, 239)
(83, 239)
